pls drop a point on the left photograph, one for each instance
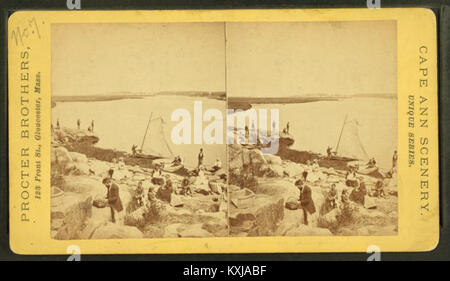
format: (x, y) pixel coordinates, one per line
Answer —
(137, 131)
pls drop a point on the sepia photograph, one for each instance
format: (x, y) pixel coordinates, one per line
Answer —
(131, 154)
(331, 90)
(166, 130)
(232, 132)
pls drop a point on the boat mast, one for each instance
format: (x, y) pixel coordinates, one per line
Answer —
(340, 135)
(148, 125)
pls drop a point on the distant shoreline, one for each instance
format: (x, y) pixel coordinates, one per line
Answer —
(112, 97)
(245, 103)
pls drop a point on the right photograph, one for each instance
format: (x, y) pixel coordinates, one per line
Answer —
(312, 128)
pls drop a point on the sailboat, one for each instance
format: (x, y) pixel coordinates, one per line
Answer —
(349, 148)
(154, 145)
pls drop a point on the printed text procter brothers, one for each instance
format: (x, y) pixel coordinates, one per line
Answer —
(30, 133)
(418, 140)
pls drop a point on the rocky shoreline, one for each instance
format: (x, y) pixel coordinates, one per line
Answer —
(271, 179)
(254, 201)
(77, 182)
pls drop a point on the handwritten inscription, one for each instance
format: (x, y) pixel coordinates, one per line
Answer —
(20, 34)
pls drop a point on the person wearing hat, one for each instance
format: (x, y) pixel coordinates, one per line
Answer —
(113, 198)
(306, 201)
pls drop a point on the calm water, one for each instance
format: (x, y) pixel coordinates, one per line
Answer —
(122, 123)
(317, 125)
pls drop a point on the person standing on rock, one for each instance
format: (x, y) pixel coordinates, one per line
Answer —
(78, 123)
(113, 198)
(200, 158)
(92, 126)
(394, 161)
(306, 201)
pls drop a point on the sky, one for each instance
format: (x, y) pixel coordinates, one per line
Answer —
(295, 59)
(258, 59)
(96, 59)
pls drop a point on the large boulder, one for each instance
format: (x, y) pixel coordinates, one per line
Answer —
(73, 216)
(77, 169)
(99, 168)
(117, 231)
(60, 155)
(239, 156)
(273, 159)
(293, 170)
(124, 174)
(307, 230)
(136, 218)
(278, 187)
(83, 184)
(195, 230)
(186, 230)
(60, 159)
(78, 157)
(69, 135)
(264, 215)
(329, 220)
(274, 170)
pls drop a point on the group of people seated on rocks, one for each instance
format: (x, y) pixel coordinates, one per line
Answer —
(164, 192)
(357, 183)
(356, 192)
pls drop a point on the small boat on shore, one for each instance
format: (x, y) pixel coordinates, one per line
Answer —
(349, 148)
(156, 147)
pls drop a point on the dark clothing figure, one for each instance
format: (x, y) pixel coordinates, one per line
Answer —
(164, 193)
(139, 195)
(331, 200)
(329, 154)
(110, 173)
(92, 125)
(177, 161)
(133, 149)
(358, 194)
(306, 202)
(394, 161)
(200, 158)
(78, 123)
(186, 187)
(57, 124)
(114, 200)
(287, 127)
(379, 190)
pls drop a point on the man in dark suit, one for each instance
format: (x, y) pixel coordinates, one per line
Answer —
(306, 201)
(200, 158)
(113, 198)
